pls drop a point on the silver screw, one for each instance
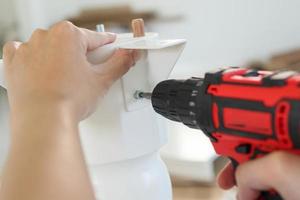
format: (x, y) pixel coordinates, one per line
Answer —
(142, 95)
(100, 28)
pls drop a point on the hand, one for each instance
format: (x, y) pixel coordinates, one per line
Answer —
(279, 171)
(51, 87)
(51, 70)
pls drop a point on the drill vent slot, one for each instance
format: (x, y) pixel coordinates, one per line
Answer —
(282, 127)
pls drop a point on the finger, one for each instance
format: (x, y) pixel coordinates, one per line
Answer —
(93, 39)
(116, 66)
(38, 35)
(9, 50)
(275, 171)
(226, 178)
(252, 178)
(137, 54)
(246, 193)
(86, 39)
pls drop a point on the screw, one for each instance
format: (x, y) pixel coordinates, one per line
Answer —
(142, 95)
(100, 28)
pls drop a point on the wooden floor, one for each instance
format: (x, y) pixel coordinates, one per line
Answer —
(197, 193)
(190, 190)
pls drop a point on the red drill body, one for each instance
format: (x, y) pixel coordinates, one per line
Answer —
(246, 113)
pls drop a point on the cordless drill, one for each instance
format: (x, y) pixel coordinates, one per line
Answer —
(246, 113)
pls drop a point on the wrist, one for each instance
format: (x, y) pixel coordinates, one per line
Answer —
(41, 117)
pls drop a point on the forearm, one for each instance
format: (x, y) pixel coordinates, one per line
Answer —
(45, 159)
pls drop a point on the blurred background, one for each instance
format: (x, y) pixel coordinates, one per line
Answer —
(256, 33)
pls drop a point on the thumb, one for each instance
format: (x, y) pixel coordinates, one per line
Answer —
(9, 50)
(117, 65)
(226, 179)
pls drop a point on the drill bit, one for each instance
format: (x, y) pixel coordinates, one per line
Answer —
(142, 95)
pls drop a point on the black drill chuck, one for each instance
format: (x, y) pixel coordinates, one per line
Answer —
(177, 100)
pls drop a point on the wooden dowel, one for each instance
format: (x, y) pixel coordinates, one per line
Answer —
(138, 27)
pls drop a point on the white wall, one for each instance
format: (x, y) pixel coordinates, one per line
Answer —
(6, 13)
(32, 14)
(7, 21)
(229, 32)
(232, 32)
(219, 32)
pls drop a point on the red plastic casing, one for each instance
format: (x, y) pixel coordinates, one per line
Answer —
(254, 112)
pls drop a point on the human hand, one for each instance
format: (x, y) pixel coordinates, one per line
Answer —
(51, 70)
(278, 171)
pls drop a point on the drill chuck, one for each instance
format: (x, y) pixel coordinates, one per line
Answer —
(177, 100)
